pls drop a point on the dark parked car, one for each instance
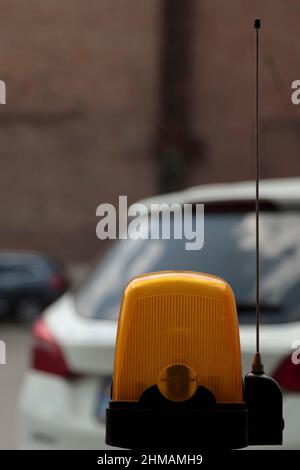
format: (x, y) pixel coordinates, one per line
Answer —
(29, 282)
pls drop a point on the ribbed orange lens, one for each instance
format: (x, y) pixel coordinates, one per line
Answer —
(178, 319)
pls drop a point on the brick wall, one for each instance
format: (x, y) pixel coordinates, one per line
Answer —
(224, 88)
(79, 126)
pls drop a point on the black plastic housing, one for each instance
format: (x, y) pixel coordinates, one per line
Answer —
(155, 422)
(263, 398)
(200, 422)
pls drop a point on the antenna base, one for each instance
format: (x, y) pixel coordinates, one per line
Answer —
(257, 364)
(263, 398)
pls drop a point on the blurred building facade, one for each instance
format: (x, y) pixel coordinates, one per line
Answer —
(119, 97)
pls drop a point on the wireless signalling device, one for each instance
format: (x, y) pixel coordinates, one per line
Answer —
(177, 379)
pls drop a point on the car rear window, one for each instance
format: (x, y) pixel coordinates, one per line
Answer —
(228, 252)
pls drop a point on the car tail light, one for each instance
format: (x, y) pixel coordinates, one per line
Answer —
(58, 282)
(288, 375)
(47, 355)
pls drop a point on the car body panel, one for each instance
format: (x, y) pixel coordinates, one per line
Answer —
(88, 345)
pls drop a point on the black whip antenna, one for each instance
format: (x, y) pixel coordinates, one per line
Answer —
(257, 366)
(262, 393)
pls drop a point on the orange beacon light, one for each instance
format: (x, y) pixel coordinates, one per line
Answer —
(177, 374)
(177, 378)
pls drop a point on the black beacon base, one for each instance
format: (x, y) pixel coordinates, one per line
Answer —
(155, 422)
(200, 422)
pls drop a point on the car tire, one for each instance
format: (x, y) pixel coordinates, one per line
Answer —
(27, 309)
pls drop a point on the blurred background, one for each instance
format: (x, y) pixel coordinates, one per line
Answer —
(116, 97)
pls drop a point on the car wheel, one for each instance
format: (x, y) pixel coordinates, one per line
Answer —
(28, 309)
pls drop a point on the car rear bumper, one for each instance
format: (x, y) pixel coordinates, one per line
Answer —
(58, 414)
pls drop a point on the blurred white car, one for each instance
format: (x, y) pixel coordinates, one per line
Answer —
(67, 387)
